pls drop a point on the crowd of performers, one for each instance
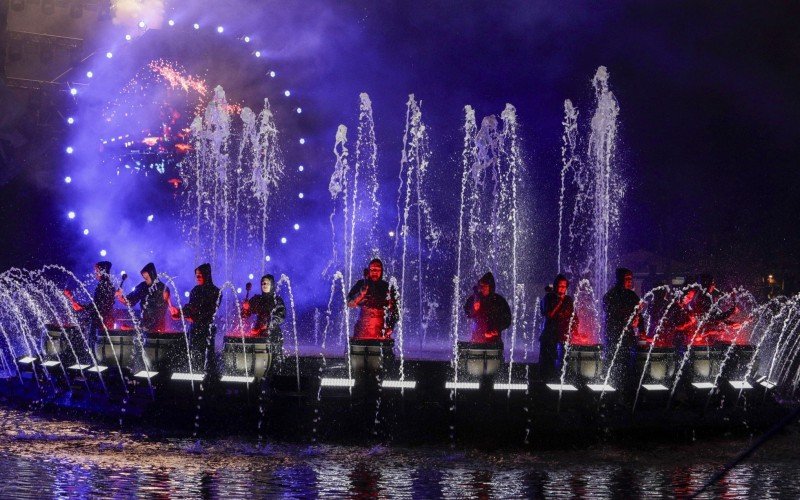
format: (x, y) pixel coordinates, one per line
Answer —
(377, 301)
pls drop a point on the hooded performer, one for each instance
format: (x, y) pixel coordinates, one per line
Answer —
(488, 310)
(270, 312)
(153, 296)
(102, 311)
(202, 306)
(378, 304)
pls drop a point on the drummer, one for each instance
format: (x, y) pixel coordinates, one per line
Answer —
(378, 303)
(488, 311)
(270, 311)
(201, 309)
(101, 309)
(153, 296)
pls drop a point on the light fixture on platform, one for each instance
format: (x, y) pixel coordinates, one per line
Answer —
(765, 383)
(337, 382)
(51, 363)
(601, 387)
(702, 385)
(655, 387)
(79, 367)
(562, 387)
(97, 369)
(740, 385)
(237, 379)
(191, 377)
(462, 385)
(399, 384)
(145, 374)
(502, 386)
(26, 360)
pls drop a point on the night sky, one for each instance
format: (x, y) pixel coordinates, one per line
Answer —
(708, 93)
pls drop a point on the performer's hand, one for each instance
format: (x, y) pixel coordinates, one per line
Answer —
(246, 306)
(476, 305)
(491, 335)
(174, 312)
(635, 321)
(68, 294)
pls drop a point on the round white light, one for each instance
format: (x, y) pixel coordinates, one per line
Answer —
(171, 22)
(103, 253)
(186, 294)
(287, 93)
(258, 53)
(196, 26)
(391, 234)
(69, 150)
(109, 55)
(267, 258)
(220, 29)
(301, 168)
(70, 120)
(272, 74)
(142, 24)
(283, 240)
(250, 276)
(300, 195)
(89, 74)
(299, 110)
(239, 290)
(128, 38)
(296, 227)
(247, 39)
(150, 218)
(71, 215)
(73, 91)
(302, 141)
(67, 179)
(85, 232)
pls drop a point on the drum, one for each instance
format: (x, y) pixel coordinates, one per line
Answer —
(370, 354)
(480, 359)
(585, 361)
(249, 355)
(162, 349)
(661, 365)
(706, 362)
(123, 342)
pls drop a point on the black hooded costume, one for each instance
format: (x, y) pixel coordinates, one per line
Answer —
(202, 306)
(270, 312)
(103, 299)
(153, 306)
(378, 312)
(492, 317)
(557, 314)
(619, 304)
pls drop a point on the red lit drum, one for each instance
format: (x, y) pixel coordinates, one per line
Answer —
(370, 354)
(246, 355)
(585, 361)
(660, 362)
(480, 359)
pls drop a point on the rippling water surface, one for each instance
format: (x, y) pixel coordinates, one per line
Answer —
(45, 458)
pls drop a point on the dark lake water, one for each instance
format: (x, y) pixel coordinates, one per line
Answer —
(45, 458)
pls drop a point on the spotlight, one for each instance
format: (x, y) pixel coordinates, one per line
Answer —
(109, 55)
(69, 150)
(258, 53)
(67, 179)
(247, 39)
(300, 195)
(272, 74)
(142, 25)
(296, 227)
(71, 215)
(391, 234)
(89, 74)
(70, 120)
(301, 168)
(128, 38)
(562, 387)
(337, 382)
(250, 276)
(150, 218)
(103, 253)
(194, 377)
(186, 294)
(302, 140)
(220, 29)
(85, 232)
(283, 240)
(196, 26)
(299, 110)
(399, 384)
(462, 385)
(239, 290)
(287, 93)
(73, 91)
(171, 22)
(268, 258)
